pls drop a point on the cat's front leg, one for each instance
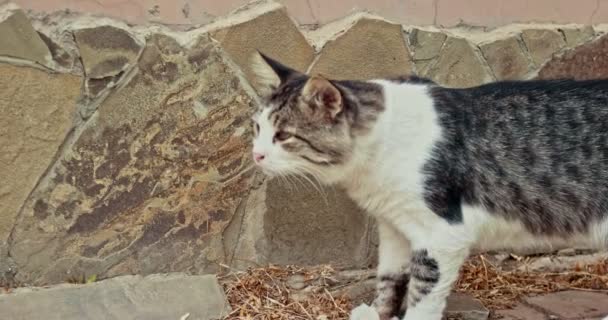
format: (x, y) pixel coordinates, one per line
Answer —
(434, 270)
(393, 271)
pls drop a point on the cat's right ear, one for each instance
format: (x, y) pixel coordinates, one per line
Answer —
(269, 73)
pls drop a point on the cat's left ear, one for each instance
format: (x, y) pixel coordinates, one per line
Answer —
(323, 96)
(269, 73)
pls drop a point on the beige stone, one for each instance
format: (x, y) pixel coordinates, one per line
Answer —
(459, 65)
(155, 297)
(152, 179)
(61, 56)
(425, 45)
(18, 39)
(273, 33)
(300, 224)
(37, 110)
(371, 48)
(577, 36)
(542, 44)
(450, 13)
(506, 58)
(106, 50)
(463, 306)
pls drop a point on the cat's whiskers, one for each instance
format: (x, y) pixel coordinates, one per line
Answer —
(306, 174)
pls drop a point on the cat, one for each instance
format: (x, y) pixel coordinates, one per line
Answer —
(444, 171)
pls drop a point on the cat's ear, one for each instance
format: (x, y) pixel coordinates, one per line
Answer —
(323, 96)
(269, 73)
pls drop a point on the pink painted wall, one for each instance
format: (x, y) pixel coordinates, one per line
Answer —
(419, 12)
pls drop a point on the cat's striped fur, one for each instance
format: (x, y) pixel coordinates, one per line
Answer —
(445, 171)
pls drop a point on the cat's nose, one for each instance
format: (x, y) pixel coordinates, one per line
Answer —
(258, 157)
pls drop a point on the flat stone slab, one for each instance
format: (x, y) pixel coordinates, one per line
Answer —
(155, 297)
(466, 307)
(521, 312)
(572, 304)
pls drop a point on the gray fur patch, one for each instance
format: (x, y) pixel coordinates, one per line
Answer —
(424, 276)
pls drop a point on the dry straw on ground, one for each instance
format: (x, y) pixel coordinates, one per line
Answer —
(264, 293)
(498, 289)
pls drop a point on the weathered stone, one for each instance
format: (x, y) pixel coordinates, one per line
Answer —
(425, 47)
(156, 297)
(106, 50)
(506, 58)
(542, 44)
(37, 110)
(151, 180)
(359, 292)
(371, 48)
(521, 312)
(286, 224)
(18, 39)
(589, 61)
(577, 36)
(572, 304)
(272, 32)
(61, 56)
(466, 307)
(7, 267)
(459, 65)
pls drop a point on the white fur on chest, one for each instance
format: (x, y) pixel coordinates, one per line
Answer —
(389, 183)
(401, 143)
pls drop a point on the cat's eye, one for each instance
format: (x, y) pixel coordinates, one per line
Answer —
(256, 127)
(282, 136)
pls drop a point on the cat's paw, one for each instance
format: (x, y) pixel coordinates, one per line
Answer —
(364, 312)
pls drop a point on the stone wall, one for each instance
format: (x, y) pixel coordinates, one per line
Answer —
(125, 149)
(444, 13)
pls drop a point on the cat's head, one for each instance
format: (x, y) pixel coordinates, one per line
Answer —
(303, 125)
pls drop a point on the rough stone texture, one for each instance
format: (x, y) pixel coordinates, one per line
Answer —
(506, 58)
(563, 263)
(459, 65)
(521, 312)
(278, 220)
(157, 297)
(59, 55)
(343, 235)
(440, 13)
(542, 44)
(151, 180)
(18, 39)
(106, 50)
(425, 47)
(588, 61)
(466, 307)
(577, 36)
(156, 178)
(37, 110)
(572, 304)
(273, 33)
(371, 48)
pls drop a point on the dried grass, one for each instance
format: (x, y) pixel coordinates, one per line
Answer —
(498, 289)
(264, 293)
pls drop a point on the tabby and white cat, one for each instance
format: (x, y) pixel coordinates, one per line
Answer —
(444, 171)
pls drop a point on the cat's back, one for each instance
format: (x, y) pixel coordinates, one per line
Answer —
(535, 151)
